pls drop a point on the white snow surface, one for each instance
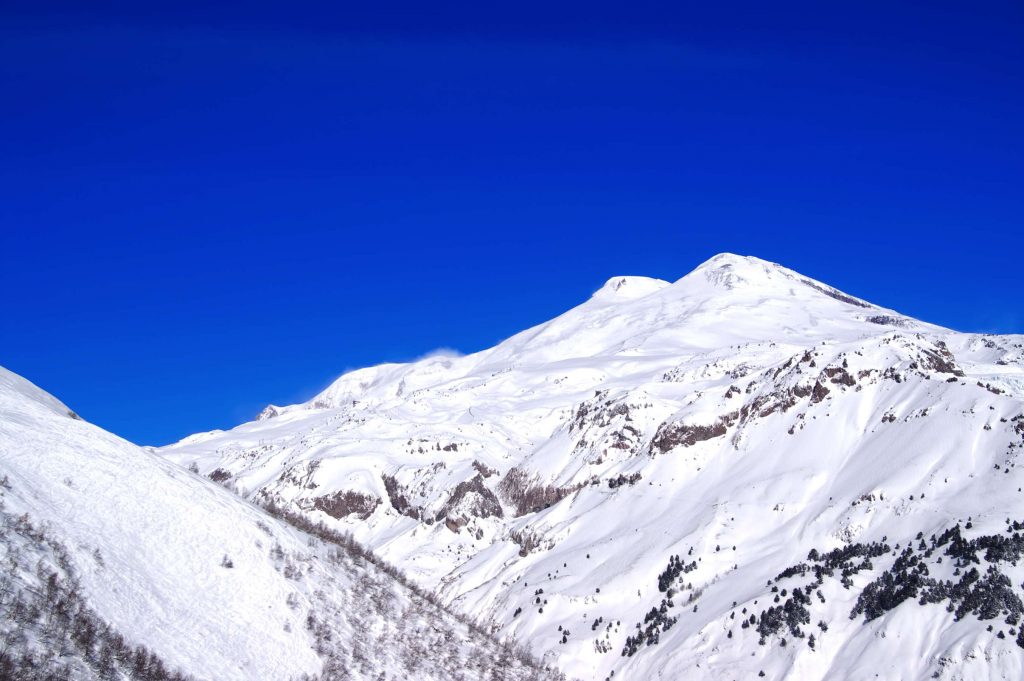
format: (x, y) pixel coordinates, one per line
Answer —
(761, 414)
(149, 541)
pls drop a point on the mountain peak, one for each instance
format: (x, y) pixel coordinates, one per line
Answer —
(727, 259)
(730, 270)
(530, 480)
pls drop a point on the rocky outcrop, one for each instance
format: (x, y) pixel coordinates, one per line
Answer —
(345, 503)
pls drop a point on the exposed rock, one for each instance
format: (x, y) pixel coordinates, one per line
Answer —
(345, 503)
(472, 498)
(671, 435)
(940, 360)
(837, 295)
(887, 320)
(483, 469)
(526, 495)
(399, 500)
(839, 375)
(269, 412)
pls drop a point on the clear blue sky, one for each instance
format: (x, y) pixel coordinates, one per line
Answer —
(206, 210)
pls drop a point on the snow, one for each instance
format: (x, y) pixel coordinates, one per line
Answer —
(149, 542)
(579, 400)
(738, 418)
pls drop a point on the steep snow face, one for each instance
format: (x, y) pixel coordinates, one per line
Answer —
(215, 587)
(625, 486)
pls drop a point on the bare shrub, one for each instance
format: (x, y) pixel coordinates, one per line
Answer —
(219, 475)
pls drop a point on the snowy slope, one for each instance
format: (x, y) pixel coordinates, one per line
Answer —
(738, 418)
(101, 536)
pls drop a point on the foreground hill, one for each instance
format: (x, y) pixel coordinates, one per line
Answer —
(117, 564)
(742, 473)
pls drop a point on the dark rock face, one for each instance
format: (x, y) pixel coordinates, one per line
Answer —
(836, 295)
(345, 503)
(398, 498)
(483, 469)
(940, 360)
(671, 435)
(801, 390)
(839, 376)
(527, 495)
(886, 320)
(484, 503)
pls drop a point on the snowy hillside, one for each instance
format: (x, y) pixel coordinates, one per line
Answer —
(744, 472)
(117, 564)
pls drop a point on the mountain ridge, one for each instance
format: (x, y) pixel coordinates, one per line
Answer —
(717, 279)
(119, 564)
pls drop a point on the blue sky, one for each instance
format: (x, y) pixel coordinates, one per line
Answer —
(203, 211)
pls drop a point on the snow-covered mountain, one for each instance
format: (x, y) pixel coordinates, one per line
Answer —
(745, 471)
(115, 563)
(742, 472)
